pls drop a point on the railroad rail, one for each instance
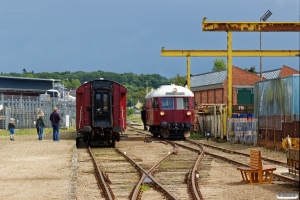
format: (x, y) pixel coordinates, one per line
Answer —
(275, 175)
(193, 174)
(147, 176)
(240, 153)
(102, 182)
(192, 177)
(136, 192)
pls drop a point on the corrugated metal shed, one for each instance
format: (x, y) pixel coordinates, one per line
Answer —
(210, 78)
(21, 84)
(277, 96)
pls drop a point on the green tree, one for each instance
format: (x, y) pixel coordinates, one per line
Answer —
(219, 65)
(129, 111)
(251, 69)
(75, 83)
(179, 80)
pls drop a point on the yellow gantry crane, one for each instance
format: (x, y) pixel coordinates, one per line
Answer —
(229, 27)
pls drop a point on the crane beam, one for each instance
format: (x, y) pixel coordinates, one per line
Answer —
(251, 26)
(224, 53)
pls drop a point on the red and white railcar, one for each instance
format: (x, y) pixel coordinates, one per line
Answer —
(170, 111)
(100, 111)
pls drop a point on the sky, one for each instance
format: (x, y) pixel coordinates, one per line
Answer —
(127, 36)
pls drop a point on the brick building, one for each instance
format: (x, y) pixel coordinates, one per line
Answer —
(211, 87)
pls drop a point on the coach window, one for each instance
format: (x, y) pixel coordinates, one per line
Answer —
(155, 103)
(98, 104)
(105, 103)
(182, 103)
(167, 103)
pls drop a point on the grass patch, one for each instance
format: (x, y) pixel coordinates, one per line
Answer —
(196, 135)
(164, 164)
(32, 131)
(135, 117)
(173, 164)
(144, 188)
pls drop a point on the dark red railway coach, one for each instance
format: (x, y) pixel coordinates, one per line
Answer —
(170, 111)
(100, 111)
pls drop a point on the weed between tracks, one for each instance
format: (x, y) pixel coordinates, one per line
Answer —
(196, 136)
(172, 164)
(144, 188)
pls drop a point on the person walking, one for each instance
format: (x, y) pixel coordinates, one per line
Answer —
(55, 118)
(37, 125)
(41, 125)
(11, 128)
(143, 116)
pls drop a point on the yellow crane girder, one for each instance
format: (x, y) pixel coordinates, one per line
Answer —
(251, 26)
(230, 27)
(224, 53)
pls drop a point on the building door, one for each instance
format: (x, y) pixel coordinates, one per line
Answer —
(245, 96)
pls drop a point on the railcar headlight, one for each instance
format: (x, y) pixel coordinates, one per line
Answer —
(174, 90)
(188, 113)
(162, 113)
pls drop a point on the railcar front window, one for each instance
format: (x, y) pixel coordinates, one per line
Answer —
(101, 104)
(105, 103)
(182, 103)
(167, 103)
(98, 105)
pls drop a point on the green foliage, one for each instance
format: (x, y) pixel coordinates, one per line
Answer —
(135, 118)
(196, 135)
(136, 84)
(144, 188)
(129, 111)
(179, 80)
(251, 69)
(33, 131)
(219, 65)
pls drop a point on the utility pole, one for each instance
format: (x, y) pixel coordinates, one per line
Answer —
(264, 18)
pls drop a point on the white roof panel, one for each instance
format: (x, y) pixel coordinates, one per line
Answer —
(168, 90)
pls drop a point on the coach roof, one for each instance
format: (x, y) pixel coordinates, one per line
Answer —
(170, 90)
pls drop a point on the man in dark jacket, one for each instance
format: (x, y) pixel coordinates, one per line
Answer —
(143, 116)
(55, 118)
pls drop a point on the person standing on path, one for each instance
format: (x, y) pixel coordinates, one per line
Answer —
(11, 128)
(37, 125)
(41, 125)
(143, 116)
(55, 118)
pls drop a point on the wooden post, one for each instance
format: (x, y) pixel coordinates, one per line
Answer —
(266, 131)
(273, 124)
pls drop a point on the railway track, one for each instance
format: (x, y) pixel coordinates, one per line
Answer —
(171, 176)
(178, 174)
(120, 176)
(242, 159)
(155, 170)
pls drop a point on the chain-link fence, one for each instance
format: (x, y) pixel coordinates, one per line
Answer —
(25, 110)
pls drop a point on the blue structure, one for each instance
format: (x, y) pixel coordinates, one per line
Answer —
(277, 96)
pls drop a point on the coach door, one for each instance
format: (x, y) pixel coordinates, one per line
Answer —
(102, 108)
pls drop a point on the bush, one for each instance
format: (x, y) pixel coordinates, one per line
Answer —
(196, 135)
(129, 111)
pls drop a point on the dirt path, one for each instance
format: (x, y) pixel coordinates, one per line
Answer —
(33, 169)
